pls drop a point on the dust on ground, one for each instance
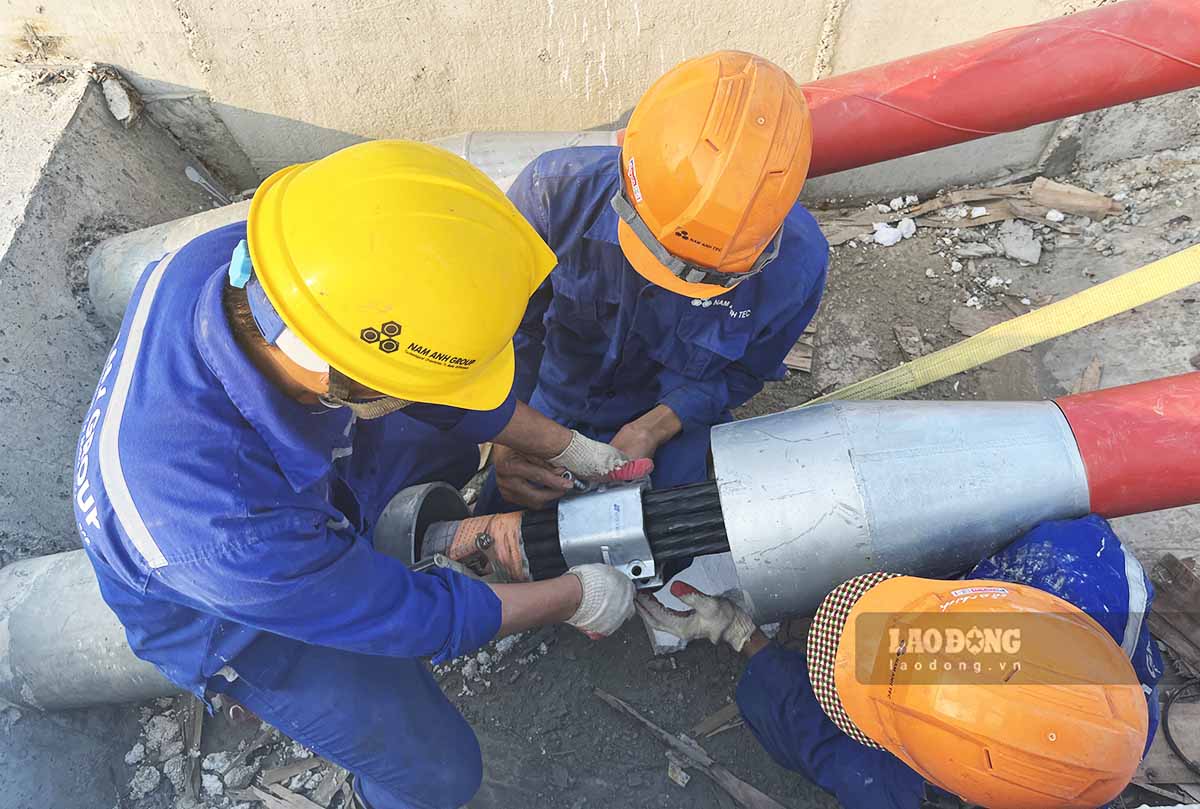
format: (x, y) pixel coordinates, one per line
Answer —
(548, 743)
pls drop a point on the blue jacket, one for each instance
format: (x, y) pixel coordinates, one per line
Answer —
(600, 345)
(214, 508)
(1080, 561)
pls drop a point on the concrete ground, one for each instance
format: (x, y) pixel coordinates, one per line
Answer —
(547, 740)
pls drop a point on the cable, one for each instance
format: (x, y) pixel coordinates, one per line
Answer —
(1190, 685)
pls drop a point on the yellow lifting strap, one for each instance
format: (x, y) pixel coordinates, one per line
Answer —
(1104, 300)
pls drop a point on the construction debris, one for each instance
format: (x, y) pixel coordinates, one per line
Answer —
(1090, 378)
(1019, 242)
(1070, 199)
(277, 775)
(1173, 619)
(676, 769)
(710, 724)
(744, 794)
(908, 337)
(885, 235)
(1161, 766)
(1043, 202)
(800, 357)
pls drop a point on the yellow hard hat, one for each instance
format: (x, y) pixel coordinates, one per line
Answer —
(402, 266)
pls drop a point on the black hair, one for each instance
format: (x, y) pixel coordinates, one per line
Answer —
(236, 303)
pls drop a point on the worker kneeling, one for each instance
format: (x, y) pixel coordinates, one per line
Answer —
(687, 271)
(1028, 685)
(274, 384)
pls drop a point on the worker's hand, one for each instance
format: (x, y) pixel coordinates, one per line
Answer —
(526, 481)
(635, 441)
(642, 437)
(717, 619)
(607, 600)
(587, 459)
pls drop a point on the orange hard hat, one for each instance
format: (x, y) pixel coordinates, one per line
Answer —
(714, 157)
(1000, 693)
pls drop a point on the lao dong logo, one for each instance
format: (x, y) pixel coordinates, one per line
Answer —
(989, 640)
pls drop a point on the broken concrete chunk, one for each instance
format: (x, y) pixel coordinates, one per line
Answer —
(1055, 215)
(135, 754)
(176, 771)
(160, 730)
(974, 250)
(896, 204)
(908, 337)
(239, 777)
(216, 762)
(145, 781)
(969, 320)
(170, 749)
(1019, 242)
(210, 784)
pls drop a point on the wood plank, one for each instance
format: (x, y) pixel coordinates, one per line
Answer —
(329, 786)
(1174, 617)
(745, 794)
(277, 775)
(1089, 380)
(715, 720)
(294, 800)
(1072, 199)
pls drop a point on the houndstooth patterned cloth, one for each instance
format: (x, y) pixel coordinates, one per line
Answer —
(823, 640)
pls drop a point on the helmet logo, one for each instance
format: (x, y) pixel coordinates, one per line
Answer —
(633, 181)
(683, 234)
(384, 336)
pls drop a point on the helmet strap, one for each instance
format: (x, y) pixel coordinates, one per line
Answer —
(367, 409)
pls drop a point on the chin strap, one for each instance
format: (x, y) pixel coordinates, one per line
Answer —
(339, 396)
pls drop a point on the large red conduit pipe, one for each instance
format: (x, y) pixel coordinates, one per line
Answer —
(1140, 444)
(1005, 81)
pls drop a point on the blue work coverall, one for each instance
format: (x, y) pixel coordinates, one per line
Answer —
(600, 345)
(1080, 561)
(230, 528)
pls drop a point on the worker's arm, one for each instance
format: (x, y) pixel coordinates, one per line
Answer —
(763, 360)
(330, 588)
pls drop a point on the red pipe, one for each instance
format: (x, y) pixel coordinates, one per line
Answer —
(1005, 81)
(1140, 444)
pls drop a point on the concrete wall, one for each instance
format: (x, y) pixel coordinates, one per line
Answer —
(92, 178)
(253, 85)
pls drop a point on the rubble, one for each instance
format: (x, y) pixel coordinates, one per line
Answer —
(216, 762)
(211, 784)
(1019, 242)
(161, 730)
(175, 770)
(145, 780)
(135, 754)
(240, 776)
(886, 235)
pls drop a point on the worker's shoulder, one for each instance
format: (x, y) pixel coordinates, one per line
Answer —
(577, 163)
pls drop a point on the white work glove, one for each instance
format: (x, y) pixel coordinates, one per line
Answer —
(587, 459)
(717, 619)
(607, 600)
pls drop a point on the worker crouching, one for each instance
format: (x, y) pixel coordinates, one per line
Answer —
(1030, 684)
(273, 385)
(687, 271)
